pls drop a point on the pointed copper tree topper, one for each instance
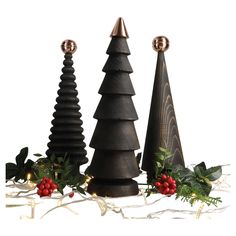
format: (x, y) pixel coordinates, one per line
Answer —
(162, 130)
(119, 29)
(114, 139)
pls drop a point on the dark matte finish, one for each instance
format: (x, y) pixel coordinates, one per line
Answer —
(118, 45)
(117, 63)
(115, 135)
(162, 128)
(114, 164)
(113, 188)
(67, 128)
(117, 83)
(116, 107)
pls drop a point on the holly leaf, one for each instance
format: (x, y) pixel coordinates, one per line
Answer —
(60, 188)
(213, 173)
(201, 165)
(20, 158)
(210, 174)
(11, 170)
(200, 169)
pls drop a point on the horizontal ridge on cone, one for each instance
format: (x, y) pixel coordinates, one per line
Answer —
(70, 114)
(116, 107)
(113, 165)
(63, 137)
(117, 83)
(67, 99)
(67, 78)
(118, 45)
(124, 132)
(114, 188)
(65, 143)
(67, 106)
(66, 129)
(67, 91)
(117, 62)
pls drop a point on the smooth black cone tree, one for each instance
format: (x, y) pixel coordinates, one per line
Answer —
(66, 134)
(114, 164)
(162, 130)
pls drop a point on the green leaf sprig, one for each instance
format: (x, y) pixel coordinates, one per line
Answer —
(192, 185)
(20, 169)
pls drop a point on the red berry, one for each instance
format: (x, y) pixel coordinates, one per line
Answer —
(173, 186)
(50, 190)
(54, 186)
(157, 184)
(167, 190)
(39, 192)
(165, 184)
(47, 185)
(162, 189)
(163, 177)
(169, 180)
(71, 194)
(173, 182)
(41, 186)
(172, 191)
(45, 192)
(50, 181)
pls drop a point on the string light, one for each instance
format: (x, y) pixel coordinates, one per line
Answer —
(28, 177)
(107, 204)
(88, 179)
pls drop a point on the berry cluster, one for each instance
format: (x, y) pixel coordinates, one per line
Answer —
(166, 185)
(46, 187)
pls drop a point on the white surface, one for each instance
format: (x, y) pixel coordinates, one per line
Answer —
(200, 62)
(132, 207)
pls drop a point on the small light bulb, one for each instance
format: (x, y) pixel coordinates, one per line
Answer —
(88, 178)
(28, 176)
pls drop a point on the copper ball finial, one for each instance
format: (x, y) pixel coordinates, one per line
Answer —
(160, 43)
(68, 46)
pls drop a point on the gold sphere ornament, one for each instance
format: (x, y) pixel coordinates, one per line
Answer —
(160, 43)
(68, 46)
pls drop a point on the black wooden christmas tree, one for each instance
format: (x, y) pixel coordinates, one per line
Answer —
(67, 137)
(162, 130)
(114, 164)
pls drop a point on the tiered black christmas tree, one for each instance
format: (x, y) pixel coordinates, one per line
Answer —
(67, 137)
(162, 130)
(114, 164)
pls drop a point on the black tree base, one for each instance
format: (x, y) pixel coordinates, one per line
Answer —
(116, 188)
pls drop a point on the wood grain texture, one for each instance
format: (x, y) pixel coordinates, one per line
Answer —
(162, 130)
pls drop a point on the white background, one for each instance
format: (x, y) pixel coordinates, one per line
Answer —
(200, 62)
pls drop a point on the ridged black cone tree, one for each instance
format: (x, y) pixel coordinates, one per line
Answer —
(114, 164)
(162, 130)
(67, 137)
